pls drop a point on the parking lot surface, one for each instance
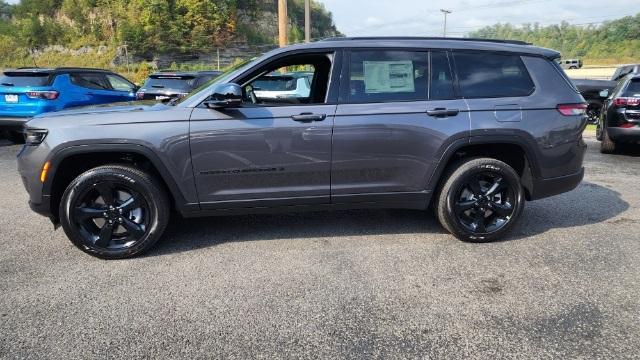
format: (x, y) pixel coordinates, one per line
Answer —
(348, 284)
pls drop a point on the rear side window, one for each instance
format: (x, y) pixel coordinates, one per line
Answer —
(94, 81)
(633, 89)
(487, 75)
(20, 79)
(181, 83)
(384, 76)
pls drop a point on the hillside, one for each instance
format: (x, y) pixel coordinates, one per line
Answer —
(148, 27)
(612, 42)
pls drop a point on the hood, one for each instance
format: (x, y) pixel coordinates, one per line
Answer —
(106, 108)
(118, 113)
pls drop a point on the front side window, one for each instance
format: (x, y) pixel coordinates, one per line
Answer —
(487, 75)
(299, 79)
(386, 76)
(119, 84)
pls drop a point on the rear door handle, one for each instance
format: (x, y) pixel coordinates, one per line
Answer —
(309, 117)
(443, 112)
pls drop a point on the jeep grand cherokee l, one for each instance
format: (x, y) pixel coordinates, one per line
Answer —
(472, 127)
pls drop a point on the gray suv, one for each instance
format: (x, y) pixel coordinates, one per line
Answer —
(473, 128)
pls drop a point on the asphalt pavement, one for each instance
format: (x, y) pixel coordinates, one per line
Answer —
(347, 284)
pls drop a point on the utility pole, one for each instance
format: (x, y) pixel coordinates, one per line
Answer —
(445, 12)
(282, 23)
(307, 20)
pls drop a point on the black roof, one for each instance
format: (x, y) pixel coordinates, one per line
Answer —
(58, 70)
(399, 38)
(513, 46)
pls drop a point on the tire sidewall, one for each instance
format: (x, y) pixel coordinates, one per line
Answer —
(459, 178)
(116, 176)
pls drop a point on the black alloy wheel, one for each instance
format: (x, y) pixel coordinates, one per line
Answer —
(111, 216)
(484, 202)
(480, 199)
(114, 211)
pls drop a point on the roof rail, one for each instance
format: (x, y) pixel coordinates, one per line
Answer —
(514, 42)
(78, 69)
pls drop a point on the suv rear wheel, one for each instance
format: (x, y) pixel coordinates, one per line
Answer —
(114, 212)
(481, 199)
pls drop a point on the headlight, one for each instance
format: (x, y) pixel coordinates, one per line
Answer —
(34, 136)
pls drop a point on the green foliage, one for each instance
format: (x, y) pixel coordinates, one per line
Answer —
(613, 42)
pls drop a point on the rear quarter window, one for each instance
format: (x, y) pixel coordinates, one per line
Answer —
(487, 75)
(633, 89)
(25, 80)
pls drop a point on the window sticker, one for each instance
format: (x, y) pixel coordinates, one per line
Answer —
(388, 77)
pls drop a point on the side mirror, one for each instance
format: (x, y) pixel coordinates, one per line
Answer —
(604, 93)
(225, 95)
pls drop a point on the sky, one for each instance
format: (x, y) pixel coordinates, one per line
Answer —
(423, 17)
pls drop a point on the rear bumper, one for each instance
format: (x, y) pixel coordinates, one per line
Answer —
(621, 134)
(13, 123)
(543, 188)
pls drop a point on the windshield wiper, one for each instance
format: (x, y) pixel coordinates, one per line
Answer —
(7, 84)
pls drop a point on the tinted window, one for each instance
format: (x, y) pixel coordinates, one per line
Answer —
(379, 76)
(633, 89)
(90, 81)
(183, 83)
(24, 80)
(119, 84)
(275, 83)
(485, 75)
(441, 79)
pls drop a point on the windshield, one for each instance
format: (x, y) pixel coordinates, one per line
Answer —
(224, 77)
(24, 80)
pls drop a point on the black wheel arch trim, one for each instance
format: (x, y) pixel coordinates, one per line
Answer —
(59, 156)
(531, 171)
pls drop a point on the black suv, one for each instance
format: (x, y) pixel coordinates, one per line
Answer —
(167, 85)
(620, 120)
(472, 127)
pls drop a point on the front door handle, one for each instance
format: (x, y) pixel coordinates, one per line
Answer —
(443, 112)
(309, 117)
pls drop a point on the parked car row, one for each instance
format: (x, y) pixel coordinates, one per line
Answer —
(27, 92)
(595, 92)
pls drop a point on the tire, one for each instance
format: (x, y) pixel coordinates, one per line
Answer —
(607, 146)
(139, 214)
(498, 210)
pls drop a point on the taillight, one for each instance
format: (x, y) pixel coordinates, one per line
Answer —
(45, 95)
(139, 95)
(626, 101)
(572, 109)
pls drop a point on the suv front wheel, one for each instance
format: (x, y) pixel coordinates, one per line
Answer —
(481, 199)
(114, 211)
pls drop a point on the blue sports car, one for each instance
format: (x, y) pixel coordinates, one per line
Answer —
(27, 92)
